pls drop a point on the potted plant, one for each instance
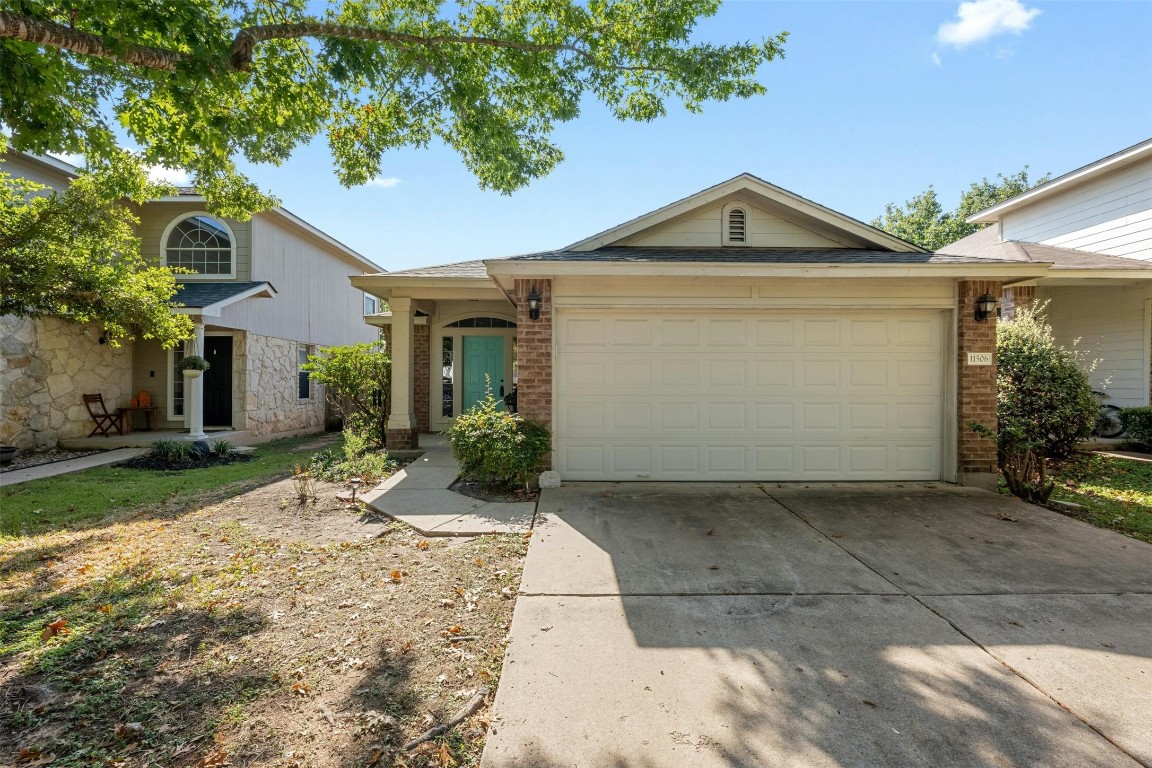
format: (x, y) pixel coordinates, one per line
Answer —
(7, 454)
(192, 366)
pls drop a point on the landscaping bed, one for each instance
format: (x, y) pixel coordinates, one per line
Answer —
(499, 494)
(194, 461)
(257, 629)
(1116, 493)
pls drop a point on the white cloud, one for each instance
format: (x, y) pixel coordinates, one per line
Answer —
(936, 59)
(979, 20)
(387, 182)
(175, 176)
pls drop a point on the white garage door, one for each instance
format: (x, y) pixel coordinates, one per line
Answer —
(850, 395)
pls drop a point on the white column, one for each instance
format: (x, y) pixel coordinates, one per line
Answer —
(403, 415)
(194, 393)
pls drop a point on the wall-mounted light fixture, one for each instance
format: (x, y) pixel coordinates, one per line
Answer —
(534, 305)
(985, 307)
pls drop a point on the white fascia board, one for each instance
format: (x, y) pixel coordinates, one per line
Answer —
(265, 290)
(1102, 166)
(542, 269)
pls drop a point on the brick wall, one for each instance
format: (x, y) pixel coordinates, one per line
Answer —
(976, 387)
(534, 354)
(421, 354)
(1019, 297)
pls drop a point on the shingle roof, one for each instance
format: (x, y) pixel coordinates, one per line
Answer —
(205, 294)
(475, 269)
(987, 244)
(755, 256)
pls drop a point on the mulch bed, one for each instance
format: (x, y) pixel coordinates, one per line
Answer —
(498, 494)
(193, 462)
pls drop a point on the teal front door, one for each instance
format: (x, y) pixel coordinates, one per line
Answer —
(483, 357)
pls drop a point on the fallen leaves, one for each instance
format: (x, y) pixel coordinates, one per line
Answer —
(58, 627)
(300, 688)
(34, 757)
(422, 544)
(129, 731)
(396, 577)
(1006, 518)
(217, 758)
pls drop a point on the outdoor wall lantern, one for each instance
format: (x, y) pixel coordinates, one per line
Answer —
(534, 305)
(985, 306)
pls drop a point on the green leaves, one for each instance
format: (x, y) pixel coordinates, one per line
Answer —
(199, 84)
(495, 447)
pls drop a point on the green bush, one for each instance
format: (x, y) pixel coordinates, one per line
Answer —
(356, 383)
(170, 450)
(497, 448)
(222, 448)
(1138, 424)
(357, 458)
(1045, 401)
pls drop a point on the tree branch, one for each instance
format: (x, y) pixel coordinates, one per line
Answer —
(52, 35)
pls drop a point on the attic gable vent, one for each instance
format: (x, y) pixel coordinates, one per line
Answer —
(736, 222)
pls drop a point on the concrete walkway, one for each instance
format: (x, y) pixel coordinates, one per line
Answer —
(418, 495)
(913, 624)
(68, 465)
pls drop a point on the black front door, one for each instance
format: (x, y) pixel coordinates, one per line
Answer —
(218, 381)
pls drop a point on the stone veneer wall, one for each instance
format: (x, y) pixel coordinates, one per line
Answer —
(976, 390)
(270, 402)
(47, 364)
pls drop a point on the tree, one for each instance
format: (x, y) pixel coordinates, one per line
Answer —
(197, 83)
(75, 255)
(356, 380)
(922, 220)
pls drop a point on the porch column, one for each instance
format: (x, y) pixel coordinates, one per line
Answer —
(194, 392)
(976, 386)
(401, 429)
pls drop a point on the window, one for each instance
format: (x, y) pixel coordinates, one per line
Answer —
(482, 322)
(736, 225)
(447, 377)
(303, 379)
(202, 244)
(370, 307)
(177, 384)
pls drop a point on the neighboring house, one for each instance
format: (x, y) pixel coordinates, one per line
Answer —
(1095, 225)
(268, 292)
(743, 333)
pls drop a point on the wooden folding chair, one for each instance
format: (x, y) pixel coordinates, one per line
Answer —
(104, 420)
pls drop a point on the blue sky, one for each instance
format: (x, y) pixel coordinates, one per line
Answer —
(874, 102)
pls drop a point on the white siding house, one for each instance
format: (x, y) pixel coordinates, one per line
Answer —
(267, 293)
(1100, 305)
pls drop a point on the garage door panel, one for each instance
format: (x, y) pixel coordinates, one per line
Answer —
(854, 395)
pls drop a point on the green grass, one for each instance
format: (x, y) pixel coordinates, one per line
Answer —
(1116, 492)
(91, 496)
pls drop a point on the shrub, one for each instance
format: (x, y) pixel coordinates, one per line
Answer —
(171, 450)
(222, 448)
(355, 380)
(1138, 424)
(357, 458)
(497, 448)
(1045, 402)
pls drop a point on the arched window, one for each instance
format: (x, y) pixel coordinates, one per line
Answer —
(482, 322)
(736, 225)
(201, 243)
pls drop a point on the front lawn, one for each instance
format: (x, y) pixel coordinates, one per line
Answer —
(1117, 493)
(88, 497)
(241, 626)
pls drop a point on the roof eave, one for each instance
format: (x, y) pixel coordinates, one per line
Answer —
(539, 268)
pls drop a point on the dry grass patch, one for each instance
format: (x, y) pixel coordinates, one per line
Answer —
(256, 631)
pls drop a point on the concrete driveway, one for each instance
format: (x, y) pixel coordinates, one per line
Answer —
(901, 625)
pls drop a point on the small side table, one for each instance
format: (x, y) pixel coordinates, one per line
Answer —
(149, 417)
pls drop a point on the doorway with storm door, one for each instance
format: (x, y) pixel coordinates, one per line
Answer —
(483, 368)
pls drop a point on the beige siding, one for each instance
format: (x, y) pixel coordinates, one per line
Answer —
(155, 218)
(1112, 215)
(702, 229)
(744, 293)
(150, 373)
(1111, 325)
(314, 303)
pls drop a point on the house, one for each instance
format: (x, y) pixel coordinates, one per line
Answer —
(267, 293)
(743, 333)
(1095, 225)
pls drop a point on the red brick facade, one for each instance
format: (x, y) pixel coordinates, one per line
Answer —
(1019, 297)
(976, 387)
(421, 359)
(534, 354)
